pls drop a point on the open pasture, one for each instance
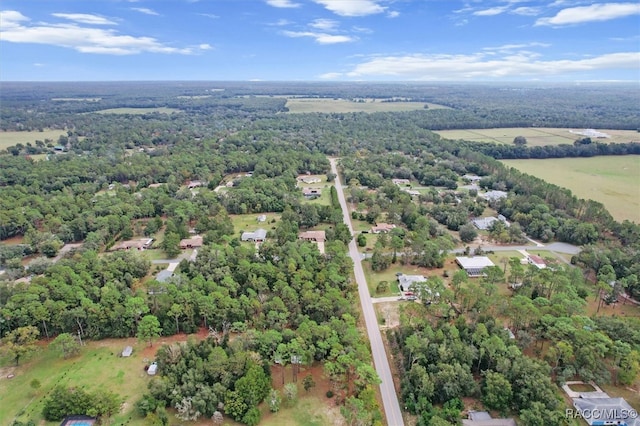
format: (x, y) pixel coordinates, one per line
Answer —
(138, 111)
(8, 139)
(98, 366)
(611, 180)
(536, 136)
(331, 105)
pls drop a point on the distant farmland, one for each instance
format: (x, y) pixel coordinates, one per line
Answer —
(536, 136)
(8, 139)
(331, 105)
(137, 111)
(613, 180)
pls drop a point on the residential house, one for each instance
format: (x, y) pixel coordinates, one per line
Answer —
(536, 261)
(141, 244)
(195, 184)
(127, 351)
(474, 266)
(311, 193)
(193, 242)
(401, 181)
(472, 178)
(78, 421)
(405, 281)
(316, 236)
(494, 195)
(411, 192)
(606, 411)
(257, 236)
(382, 228)
(482, 418)
(262, 218)
(310, 180)
(484, 223)
(153, 369)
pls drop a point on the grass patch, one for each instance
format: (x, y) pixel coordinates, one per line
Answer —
(308, 411)
(535, 136)
(97, 367)
(137, 111)
(249, 222)
(326, 105)
(611, 180)
(8, 139)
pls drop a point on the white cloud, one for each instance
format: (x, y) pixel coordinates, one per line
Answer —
(205, 46)
(324, 24)
(393, 14)
(145, 10)
(84, 18)
(16, 28)
(283, 3)
(352, 7)
(483, 65)
(209, 15)
(491, 11)
(321, 38)
(592, 13)
(331, 75)
(526, 11)
(511, 47)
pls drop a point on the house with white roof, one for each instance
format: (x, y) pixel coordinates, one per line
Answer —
(474, 266)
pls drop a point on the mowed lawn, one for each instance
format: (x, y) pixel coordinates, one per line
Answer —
(536, 136)
(612, 180)
(8, 139)
(300, 105)
(98, 367)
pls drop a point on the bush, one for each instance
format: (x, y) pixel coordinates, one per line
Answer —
(329, 394)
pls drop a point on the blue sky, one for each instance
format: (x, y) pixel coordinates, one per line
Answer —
(319, 40)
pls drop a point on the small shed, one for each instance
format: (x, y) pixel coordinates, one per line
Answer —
(153, 369)
(127, 351)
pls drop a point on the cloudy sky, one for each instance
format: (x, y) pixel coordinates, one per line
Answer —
(321, 40)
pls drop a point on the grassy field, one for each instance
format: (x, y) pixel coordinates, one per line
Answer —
(249, 222)
(535, 136)
(97, 367)
(326, 105)
(11, 138)
(137, 111)
(611, 180)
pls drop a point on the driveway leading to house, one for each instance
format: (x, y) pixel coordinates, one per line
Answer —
(380, 360)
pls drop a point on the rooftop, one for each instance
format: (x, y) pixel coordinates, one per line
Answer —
(474, 262)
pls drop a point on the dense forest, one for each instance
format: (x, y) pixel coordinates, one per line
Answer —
(114, 176)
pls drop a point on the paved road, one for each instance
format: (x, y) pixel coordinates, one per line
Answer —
(387, 389)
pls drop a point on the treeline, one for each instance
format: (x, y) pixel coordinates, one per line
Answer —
(507, 152)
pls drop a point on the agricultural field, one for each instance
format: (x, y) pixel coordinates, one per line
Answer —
(138, 111)
(8, 139)
(611, 180)
(535, 136)
(327, 105)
